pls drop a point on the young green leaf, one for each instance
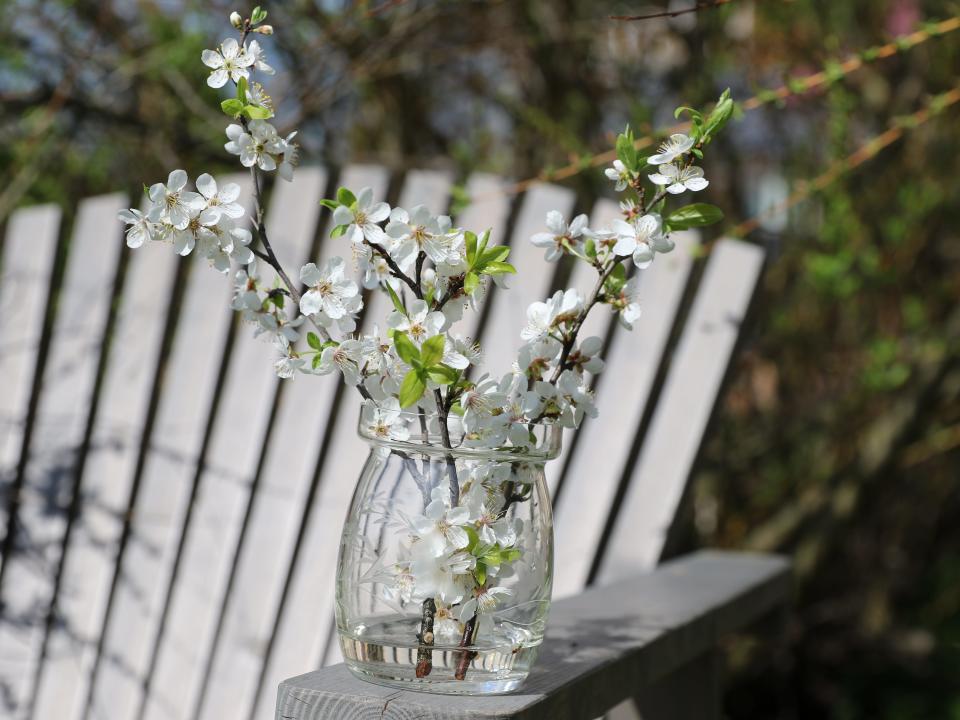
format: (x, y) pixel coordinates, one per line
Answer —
(411, 389)
(499, 268)
(432, 351)
(395, 299)
(443, 374)
(497, 253)
(470, 282)
(256, 112)
(406, 349)
(338, 231)
(345, 197)
(232, 107)
(313, 340)
(242, 90)
(696, 215)
(329, 204)
(471, 242)
(626, 151)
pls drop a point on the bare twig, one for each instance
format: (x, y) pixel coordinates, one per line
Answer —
(672, 13)
(465, 657)
(424, 653)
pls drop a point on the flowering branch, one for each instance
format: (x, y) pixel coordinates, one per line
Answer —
(469, 534)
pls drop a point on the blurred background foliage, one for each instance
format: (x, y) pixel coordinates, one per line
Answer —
(838, 440)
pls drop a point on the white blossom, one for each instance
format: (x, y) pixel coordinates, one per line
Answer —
(642, 238)
(362, 219)
(384, 421)
(229, 62)
(329, 289)
(676, 145)
(484, 601)
(259, 146)
(420, 323)
(259, 58)
(140, 227)
(171, 203)
(342, 357)
(440, 530)
(560, 235)
(619, 175)
(420, 231)
(677, 179)
(219, 201)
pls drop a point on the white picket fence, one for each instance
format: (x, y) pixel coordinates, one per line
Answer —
(173, 509)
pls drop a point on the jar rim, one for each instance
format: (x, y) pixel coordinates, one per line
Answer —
(549, 435)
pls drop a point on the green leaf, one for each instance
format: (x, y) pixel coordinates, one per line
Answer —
(313, 340)
(395, 299)
(329, 204)
(443, 375)
(256, 112)
(616, 280)
(345, 197)
(720, 115)
(497, 253)
(471, 242)
(316, 361)
(232, 107)
(338, 231)
(258, 15)
(499, 268)
(470, 282)
(484, 239)
(411, 389)
(480, 573)
(626, 151)
(242, 90)
(405, 348)
(432, 351)
(696, 215)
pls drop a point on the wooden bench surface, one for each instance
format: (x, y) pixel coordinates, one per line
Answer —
(602, 646)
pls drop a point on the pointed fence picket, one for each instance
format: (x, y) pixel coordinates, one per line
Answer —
(198, 570)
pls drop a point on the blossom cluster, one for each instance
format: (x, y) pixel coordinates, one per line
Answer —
(412, 361)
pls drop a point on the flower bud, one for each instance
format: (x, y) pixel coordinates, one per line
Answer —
(264, 30)
(236, 20)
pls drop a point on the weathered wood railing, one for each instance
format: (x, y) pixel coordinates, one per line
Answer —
(653, 638)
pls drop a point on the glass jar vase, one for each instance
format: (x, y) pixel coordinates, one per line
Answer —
(446, 559)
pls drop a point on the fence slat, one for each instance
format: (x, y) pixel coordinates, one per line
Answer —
(230, 469)
(59, 427)
(338, 476)
(689, 395)
(624, 386)
(143, 576)
(488, 210)
(293, 646)
(507, 313)
(106, 484)
(27, 271)
(285, 480)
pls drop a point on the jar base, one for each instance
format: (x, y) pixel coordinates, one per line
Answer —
(491, 670)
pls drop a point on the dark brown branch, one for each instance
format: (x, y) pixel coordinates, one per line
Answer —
(672, 13)
(465, 657)
(395, 269)
(425, 638)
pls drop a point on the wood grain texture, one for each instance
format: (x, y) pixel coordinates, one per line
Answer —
(601, 647)
(659, 476)
(285, 480)
(144, 570)
(63, 412)
(106, 484)
(595, 468)
(223, 491)
(507, 312)
(26, 271)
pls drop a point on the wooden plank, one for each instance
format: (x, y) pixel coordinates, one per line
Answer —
(305, 625)
(50, 473)
(107, 481)
(230, 468)
(601, 647)
(507, 313)
(170, 466)
(583, 277)
(489, 209)
(594, 472)
(288, 470)
(29, 251)
(689, 394)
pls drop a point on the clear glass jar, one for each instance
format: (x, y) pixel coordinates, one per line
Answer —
(446, 559)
